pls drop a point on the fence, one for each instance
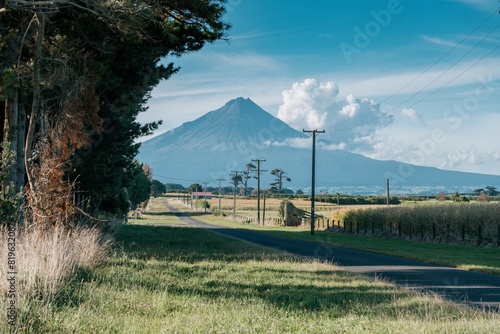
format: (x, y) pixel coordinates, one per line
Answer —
(479, 234)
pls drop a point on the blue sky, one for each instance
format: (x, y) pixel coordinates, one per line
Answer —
(413, 81)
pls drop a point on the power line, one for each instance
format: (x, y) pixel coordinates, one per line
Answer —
(376, 119)
(177, 179)
(445, 55)
(425, 71)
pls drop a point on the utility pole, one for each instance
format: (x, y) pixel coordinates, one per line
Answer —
(314, 133)
(388, 197)
(258, 161)
(205, 195)
(219, 192)
(236, 179)
(264, 211)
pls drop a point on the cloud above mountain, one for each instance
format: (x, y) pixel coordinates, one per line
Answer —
(347, 120)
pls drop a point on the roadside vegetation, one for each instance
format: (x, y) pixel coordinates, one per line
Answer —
(48, 265)
(163, 277)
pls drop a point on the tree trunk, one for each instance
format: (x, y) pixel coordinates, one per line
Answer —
(10, 132)
(21, 142)
(35, 107)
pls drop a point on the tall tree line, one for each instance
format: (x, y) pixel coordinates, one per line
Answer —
(74, 75)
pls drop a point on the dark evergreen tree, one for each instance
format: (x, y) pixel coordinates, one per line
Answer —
(96, 51)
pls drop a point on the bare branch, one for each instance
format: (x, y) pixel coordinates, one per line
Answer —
(30, 5)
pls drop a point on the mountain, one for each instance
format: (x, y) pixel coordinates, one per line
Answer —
(226, 139)
(239, 123)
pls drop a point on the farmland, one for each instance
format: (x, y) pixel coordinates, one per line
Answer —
(447, 248)
(474, 223)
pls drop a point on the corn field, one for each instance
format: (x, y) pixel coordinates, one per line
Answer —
(475, 223)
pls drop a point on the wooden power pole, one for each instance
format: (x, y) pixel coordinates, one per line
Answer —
(314, 133)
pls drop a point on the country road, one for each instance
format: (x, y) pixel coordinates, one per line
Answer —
(475, 289)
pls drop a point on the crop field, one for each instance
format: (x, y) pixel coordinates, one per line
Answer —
(474, 223)
(247, 207)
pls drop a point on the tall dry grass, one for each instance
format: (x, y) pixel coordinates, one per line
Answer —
(45, 261)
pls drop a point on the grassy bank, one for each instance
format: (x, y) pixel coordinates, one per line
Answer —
(163, 277)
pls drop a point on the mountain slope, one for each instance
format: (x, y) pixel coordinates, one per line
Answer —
(226, 139)
(240, 122)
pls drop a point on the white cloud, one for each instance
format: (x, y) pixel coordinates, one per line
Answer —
(412, 115)
(313, 105)
(438, 41)
(306, 104)
(472, 156)
(292, 142)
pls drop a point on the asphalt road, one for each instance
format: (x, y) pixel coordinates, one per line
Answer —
(475, 289)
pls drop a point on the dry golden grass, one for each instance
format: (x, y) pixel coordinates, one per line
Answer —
(44, 262)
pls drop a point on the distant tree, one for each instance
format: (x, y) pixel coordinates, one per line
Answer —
(157, 188)
(491, 191)
(195, 187)
(278, 182)
(478, 191)
(236, 179)
(441, 196)
(455, 197)
(246, 175)
(483, 198)
(299, 192)
(174, 186)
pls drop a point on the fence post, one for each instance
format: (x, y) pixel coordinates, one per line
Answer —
(411, 227)
(433, 231)
(373, 228)
(399, 229)
(421, 231)
(463, 232)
